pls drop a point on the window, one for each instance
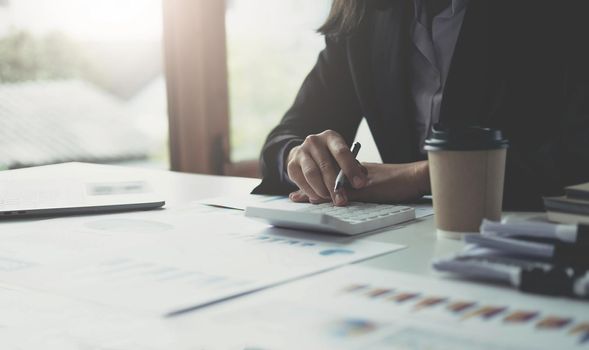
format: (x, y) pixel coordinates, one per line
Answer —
(233, 69)
(271, 47)
(81, 80)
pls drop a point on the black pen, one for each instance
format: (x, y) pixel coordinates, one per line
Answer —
(341, 180)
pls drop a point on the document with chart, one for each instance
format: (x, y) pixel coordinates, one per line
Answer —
(166, 261)
(360, 308)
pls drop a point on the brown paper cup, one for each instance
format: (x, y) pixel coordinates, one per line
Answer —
(467, 186)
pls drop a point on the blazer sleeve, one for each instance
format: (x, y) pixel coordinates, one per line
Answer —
(562, 160)
(326, 100)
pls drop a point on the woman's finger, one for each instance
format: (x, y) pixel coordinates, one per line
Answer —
(295, 173)
(314, 176)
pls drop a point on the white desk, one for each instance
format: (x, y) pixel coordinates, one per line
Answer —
(179, 189)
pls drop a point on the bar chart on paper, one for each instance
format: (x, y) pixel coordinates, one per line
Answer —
(359, 308)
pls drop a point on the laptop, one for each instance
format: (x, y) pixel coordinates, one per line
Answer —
(43, 191)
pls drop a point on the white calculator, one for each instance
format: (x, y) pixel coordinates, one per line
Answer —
(353, 219)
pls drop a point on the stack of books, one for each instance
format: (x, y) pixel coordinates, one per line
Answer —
(572, 208)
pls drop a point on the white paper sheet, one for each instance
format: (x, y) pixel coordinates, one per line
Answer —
(167, 260)
(361, 308)
(239, 202)
(35, 320)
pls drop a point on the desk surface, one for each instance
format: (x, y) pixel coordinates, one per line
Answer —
(420, 237)
(179, 189)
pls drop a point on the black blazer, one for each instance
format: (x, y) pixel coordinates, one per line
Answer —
(520, 66)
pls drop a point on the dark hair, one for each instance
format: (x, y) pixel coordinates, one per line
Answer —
(344, 16)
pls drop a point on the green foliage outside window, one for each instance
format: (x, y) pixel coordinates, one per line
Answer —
(24, 57)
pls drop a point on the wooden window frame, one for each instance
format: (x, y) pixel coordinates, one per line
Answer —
(197, 83)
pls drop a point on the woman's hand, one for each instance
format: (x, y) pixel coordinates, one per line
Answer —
(393, 183)
(388, 183)
(313, 167)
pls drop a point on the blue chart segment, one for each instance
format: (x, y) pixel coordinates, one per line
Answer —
(351, 327)
(336, 251)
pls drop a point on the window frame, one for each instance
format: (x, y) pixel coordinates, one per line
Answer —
(197, 83)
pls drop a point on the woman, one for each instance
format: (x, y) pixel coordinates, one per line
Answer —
(406, 64)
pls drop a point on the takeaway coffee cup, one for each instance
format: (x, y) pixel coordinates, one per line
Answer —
(467, 170)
